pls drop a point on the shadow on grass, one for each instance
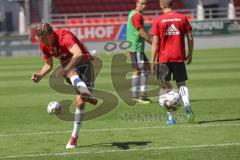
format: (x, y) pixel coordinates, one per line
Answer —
(214, 99)
(126, 145)
(120, 145)
(219, 120)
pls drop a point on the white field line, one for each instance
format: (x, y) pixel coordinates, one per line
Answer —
(117, 151)
(121, 129)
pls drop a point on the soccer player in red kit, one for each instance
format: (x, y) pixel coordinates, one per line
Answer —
(168, 47)
(137, 36)
(75, 66)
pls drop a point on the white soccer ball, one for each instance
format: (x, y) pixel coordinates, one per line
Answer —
(171, 100)
(53, 107)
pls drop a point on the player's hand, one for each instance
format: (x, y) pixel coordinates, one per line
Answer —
(36, 77)
(153, 68)
(189, 59)
(60, 72)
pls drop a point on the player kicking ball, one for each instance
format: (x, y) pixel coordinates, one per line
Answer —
(76, 67)
(168, 45)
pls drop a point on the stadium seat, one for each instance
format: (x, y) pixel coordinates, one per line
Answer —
(87, 1)
(83, 9)
(90, 6)
(106, 5)
(237, 3)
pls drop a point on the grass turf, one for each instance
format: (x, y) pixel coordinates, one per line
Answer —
(127, 132)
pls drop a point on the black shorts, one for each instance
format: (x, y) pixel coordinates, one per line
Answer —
(138, 59)
(86, 74)
(177, 69)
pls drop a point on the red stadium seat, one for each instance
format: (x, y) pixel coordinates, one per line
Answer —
(61, 9)
(92, 8)
(71, 2)
(237, 3)
(85, 6)
(88, 1)
(57, 2)
(83, 9)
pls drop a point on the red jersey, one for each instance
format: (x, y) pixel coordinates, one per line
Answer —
(138, 21)
(60, 49)
(171, 29)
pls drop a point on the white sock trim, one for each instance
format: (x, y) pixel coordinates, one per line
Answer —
(135, 76)
(183, 91)
(143, 88)
(134, 89)
(73, 78)
(170, 116)
(79, 84)
(77, 122)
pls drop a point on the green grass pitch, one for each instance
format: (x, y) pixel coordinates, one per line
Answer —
(137, 132)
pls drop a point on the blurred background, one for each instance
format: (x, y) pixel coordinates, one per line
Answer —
(216, 23)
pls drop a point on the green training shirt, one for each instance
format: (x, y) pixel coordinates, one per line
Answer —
(133, 35)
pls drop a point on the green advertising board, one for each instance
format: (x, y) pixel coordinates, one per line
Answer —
(216, 27)
(210, 28)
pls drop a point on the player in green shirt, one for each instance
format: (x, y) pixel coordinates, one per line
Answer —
(137, 36)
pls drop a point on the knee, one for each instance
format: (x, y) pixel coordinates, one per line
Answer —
(136, 72)
(80, 103)
(71, 73)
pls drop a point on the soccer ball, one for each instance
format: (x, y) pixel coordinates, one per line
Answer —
(171, 100)
(53, 107)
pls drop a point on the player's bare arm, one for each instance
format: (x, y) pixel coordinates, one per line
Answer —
(144, 35)
(77, 54)
(190, 47)
(47, 67)
(155, 48)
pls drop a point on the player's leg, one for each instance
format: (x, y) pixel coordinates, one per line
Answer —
(164, 72)
(145, 70)
(171, 119)
(73, 78)
(82, 78)
(183, 90)
(166, 85)
(180, 75)
(135, 83)
(78, 119)
(135, 76)
(86, 73)
(78, 83)
(166, 103)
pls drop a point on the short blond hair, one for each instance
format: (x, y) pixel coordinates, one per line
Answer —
(42, 28)
(166, 3)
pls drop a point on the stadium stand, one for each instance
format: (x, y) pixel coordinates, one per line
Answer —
(86, 6)
(103, 6)
(35, 11)
(237, 3)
